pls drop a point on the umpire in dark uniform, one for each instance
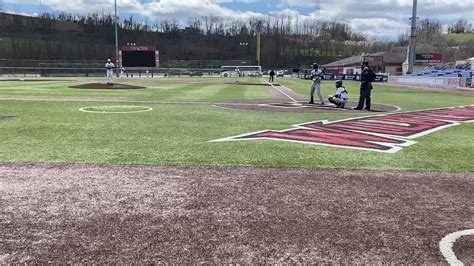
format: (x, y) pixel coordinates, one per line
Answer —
(272, 74)
(366, 79)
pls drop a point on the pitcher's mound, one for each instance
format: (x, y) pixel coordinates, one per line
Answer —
(115, 86)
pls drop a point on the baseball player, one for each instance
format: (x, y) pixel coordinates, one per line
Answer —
(237, 74)
(316, 76)
(340, 98)
(109, 66)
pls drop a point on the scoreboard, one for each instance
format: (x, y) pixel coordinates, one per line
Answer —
(428, 59)
(143, 57)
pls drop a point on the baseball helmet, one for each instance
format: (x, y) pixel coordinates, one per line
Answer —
(315, 65)
(108, 60)
(338, 83)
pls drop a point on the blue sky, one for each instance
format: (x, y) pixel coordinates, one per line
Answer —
(380, 19)
(267, 6)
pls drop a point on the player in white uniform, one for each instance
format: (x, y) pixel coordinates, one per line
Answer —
(109, 66)
(316, 76)
(340, 98)
(237, 74)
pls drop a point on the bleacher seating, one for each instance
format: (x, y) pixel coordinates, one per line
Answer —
(464, 66)
(464, 72)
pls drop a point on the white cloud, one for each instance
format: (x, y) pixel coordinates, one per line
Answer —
(302, 3)
(386, 17)
(192, 8)
(236, 1)
(156, 9)
(379, 27)
(81, 5)
(393, 9)
(371, 17)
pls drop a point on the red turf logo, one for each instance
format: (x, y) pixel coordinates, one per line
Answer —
(382, 133)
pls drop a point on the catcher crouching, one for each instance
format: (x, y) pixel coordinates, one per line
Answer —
(340, 98)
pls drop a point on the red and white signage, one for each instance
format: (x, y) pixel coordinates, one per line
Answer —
(388, 133)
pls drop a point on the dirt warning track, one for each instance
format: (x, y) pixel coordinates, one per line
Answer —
(64, 213)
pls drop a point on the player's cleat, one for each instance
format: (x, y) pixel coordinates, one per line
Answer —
(311, 101)
(367, 108)
(322, 103)
(356, 108)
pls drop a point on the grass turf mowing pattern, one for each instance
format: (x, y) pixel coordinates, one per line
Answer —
(407, 99)
(154, 92)
(180, 134)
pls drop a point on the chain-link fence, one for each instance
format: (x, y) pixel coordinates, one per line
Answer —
(18, 67)
(203, 64)
(95, 68)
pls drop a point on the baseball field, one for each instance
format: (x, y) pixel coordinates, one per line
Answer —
(209, 170)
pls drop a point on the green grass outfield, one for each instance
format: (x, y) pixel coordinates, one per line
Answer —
(155, 91)
(179, 134)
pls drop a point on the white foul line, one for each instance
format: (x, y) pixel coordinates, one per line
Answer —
(446, 246)
(289, 97)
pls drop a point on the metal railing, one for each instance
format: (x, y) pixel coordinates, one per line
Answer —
(93, 68)
(19, 67)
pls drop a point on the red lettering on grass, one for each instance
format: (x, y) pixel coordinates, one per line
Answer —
(329, 136)
(382, 133)
(450, 114)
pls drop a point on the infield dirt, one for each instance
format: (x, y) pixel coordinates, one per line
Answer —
(115, 86)
(61, 213)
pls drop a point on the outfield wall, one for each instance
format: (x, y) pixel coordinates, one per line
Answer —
(438, 82)
(354, 77)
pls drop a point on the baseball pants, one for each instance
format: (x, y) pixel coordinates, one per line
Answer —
(316, 87)
(110, 74)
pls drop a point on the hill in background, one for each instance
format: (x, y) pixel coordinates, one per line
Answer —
(91, 37)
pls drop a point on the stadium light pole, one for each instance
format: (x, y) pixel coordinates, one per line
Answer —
(412, 50)
(243, 44)
(116, 41)
(258, 48)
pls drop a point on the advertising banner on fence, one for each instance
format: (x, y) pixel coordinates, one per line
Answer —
(450, 83)
(355, 77)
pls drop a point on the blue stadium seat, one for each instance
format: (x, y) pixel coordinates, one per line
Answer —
(443, 73)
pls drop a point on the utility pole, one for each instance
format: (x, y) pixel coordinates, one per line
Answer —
(117, 67)
(412, 50)
(317, 6)
(258, 48)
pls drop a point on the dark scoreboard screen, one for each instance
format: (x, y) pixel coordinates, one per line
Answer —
(138, 59)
